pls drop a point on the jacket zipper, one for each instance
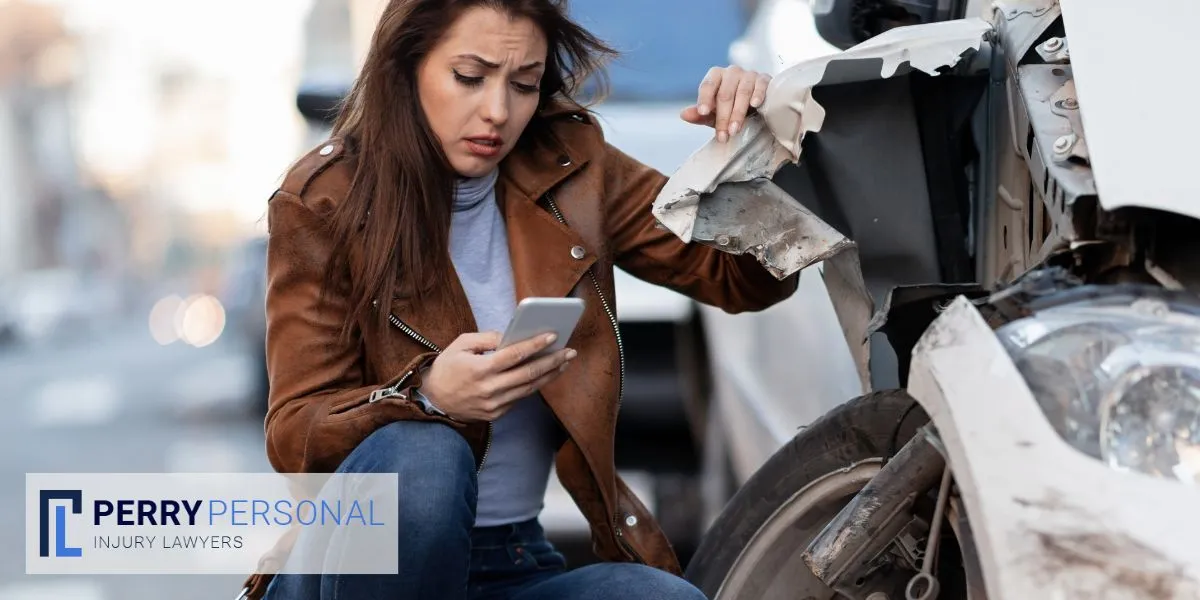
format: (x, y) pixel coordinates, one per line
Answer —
(394, 391)
(612, 316)
(612, 319)
(402, 326)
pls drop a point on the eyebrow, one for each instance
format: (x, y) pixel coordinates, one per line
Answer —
(492, 65)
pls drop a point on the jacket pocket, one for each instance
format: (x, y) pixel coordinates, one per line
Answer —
(346, 406)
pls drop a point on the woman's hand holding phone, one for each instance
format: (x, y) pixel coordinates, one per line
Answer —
(472, 381)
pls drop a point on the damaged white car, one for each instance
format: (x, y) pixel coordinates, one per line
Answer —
(1004, 215)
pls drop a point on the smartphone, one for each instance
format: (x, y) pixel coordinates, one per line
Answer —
(537, 316)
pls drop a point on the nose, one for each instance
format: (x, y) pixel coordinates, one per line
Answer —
(494, 108)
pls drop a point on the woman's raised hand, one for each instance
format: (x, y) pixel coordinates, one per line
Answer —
(725, 98)
(470, 383)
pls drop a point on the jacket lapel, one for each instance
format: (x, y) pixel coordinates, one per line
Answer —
(548, 257)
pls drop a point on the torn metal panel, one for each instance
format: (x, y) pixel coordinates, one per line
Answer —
(749, 155)
(789, 108)
(735, 216)
(721, 194)
(775, 135)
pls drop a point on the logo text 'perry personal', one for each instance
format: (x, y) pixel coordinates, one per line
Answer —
(208, 523)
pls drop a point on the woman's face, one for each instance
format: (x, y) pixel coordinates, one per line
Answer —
(479, 87)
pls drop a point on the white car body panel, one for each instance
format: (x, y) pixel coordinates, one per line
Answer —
(1049, 521)
(761, 413)
(1138, 146)
(780, 34)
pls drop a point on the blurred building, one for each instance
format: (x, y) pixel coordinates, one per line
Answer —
(49, 216)
(139, 142)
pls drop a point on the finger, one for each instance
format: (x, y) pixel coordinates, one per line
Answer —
(524, 391)
(532, 370)
(725, 98)
(706, 96)
(741, 103)
(760, 90)
(520, 352)
(478, 342)
(692, 115)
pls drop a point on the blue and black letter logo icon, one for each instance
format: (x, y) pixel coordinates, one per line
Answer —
(60, 522)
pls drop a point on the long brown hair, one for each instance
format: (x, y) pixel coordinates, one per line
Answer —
(391, 233)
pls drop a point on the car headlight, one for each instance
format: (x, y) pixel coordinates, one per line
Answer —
(1118, 381)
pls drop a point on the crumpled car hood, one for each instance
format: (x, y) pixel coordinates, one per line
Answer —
(1139, 147)
(723, 196)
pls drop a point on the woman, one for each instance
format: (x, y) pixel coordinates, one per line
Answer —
(462, 177)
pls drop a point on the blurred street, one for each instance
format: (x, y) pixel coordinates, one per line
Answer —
(114, 400)
(117, 401)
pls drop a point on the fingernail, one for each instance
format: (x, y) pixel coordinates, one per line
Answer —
(755, 101)
(733, 127)
(571, 354)
(722, 136)
(704, 109)
(550, 337)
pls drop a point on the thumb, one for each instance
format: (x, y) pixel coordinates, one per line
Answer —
(692, 115)
(478, 342)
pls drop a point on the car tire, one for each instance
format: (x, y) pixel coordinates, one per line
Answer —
(866, 428)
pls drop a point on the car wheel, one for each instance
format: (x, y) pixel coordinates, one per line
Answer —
(753, 549)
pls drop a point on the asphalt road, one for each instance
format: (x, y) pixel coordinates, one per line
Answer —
(116, 401)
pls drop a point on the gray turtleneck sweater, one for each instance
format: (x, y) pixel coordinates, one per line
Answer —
(512, 484)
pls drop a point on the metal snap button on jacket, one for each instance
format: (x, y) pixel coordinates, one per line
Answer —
(564, 160)
(631, 521)
(327, 150)
(578, 252)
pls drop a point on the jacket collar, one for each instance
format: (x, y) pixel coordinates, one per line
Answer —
(535, 170)
(542, 249)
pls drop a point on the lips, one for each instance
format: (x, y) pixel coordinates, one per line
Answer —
(485, 146)
(487, 140)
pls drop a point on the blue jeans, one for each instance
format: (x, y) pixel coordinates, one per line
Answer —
(443, 557)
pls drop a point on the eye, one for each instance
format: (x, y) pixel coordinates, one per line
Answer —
(467, 81)
(525, 88)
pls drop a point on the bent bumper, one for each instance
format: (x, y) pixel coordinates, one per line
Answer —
(1048, 521)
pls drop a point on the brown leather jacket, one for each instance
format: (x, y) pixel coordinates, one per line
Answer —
(327, 396)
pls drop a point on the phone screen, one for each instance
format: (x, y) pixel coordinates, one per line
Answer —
(537, 316)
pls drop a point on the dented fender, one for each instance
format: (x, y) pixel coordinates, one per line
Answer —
(1048, 521)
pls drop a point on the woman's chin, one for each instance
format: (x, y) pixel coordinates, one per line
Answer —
(473, 166)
